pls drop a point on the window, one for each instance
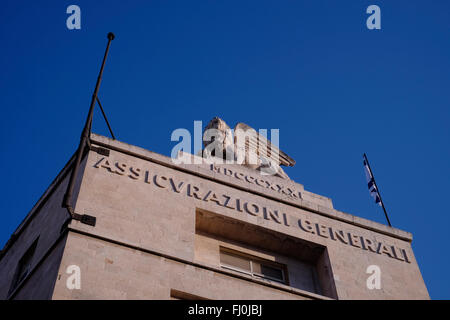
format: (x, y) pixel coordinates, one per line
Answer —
(300, 264)
(254, 266)
(24, 266)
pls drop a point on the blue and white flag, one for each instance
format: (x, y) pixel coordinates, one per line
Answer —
(371, 184)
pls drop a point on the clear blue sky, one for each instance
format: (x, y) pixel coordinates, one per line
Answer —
(310, 68)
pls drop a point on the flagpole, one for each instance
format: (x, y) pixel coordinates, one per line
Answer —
(85, 135)
(378, 190)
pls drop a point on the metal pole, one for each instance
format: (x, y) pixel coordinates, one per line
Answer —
(378, 190)
(106, 119)
(67, 202)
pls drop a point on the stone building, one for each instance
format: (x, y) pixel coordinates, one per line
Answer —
(153, 229)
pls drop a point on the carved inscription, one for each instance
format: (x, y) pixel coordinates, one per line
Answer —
(287, 191)
(164, 181)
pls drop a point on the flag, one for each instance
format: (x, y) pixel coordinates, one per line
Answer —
(371, 184)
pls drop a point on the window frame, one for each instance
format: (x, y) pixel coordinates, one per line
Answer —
(254, 259)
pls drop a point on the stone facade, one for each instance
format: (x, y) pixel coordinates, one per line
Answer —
(160, 228)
